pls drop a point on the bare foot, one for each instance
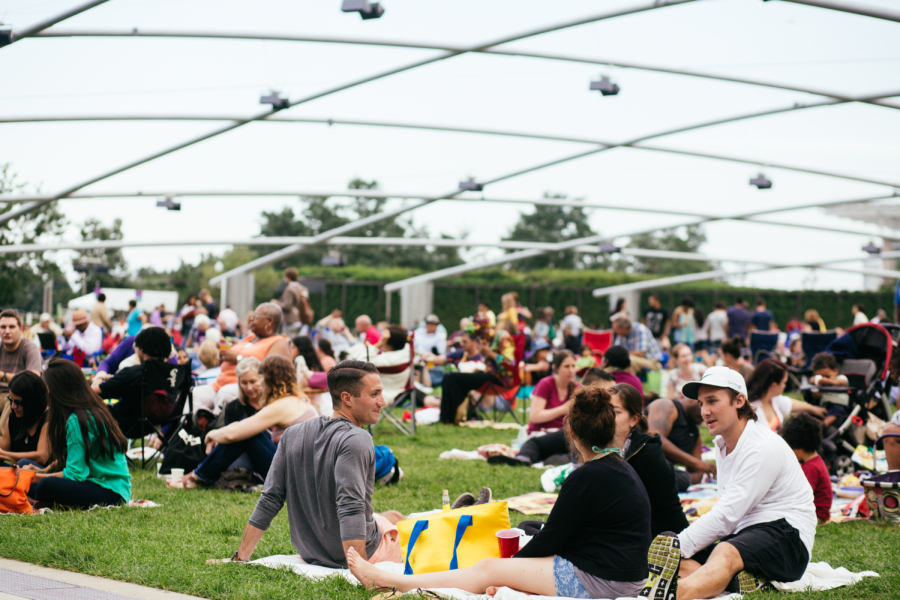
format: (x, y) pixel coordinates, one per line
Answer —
(369, 576)
(187, 482)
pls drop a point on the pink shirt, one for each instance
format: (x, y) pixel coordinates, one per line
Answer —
(630, 379)
(546, 388)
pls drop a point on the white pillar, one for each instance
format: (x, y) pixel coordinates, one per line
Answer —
(416, 303)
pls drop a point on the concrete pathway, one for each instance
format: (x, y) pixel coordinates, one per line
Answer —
(20, 580)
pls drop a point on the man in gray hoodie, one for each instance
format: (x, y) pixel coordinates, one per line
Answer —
(325, 470)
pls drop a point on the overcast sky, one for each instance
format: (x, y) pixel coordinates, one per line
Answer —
(773, 41)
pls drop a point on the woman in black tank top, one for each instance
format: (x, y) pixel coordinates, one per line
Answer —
(25, 438)
(684, 432)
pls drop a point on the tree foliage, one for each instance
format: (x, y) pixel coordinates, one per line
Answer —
(93, 230)
(682, 239)
(22, 274)
(555, 224)
(320, 214)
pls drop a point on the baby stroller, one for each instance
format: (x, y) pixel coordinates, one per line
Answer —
(864, 354)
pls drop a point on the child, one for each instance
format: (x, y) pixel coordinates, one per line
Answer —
(825, 368)
(586, 360)
(803, 434)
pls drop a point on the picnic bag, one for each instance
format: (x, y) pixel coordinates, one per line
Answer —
(14, 484)
(454, 539)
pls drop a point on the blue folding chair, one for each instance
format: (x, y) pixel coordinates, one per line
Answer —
(762, 345)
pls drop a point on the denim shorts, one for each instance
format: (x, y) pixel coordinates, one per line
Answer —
(566, 581)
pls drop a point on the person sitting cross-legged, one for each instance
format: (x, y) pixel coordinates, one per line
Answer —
(763, 526)
(324, 470)
(594, 541)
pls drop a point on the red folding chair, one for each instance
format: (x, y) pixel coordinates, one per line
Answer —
(507, 393)
(599, 342)
(408, 394)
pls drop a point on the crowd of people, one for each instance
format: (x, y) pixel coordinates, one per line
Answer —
(289, 397)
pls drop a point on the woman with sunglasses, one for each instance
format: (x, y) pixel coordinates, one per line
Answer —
(25, 439)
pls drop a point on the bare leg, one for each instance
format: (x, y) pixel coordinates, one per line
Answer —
(393, 516)
(892, 447)
(688, 567)
(696, 477)
(530, 575)
(432, 401)
(711, 579)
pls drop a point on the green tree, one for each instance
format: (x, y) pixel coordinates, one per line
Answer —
(93, 230)
(555, 224)
(681, 239)
(22, 274)
(322, 214)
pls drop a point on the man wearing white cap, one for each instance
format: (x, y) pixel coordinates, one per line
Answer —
(763, 526)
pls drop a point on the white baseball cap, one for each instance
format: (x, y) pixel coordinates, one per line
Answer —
(718, 377)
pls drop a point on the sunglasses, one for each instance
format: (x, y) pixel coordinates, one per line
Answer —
(11, 401)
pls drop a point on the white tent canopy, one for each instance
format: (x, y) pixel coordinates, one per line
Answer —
(117, 300)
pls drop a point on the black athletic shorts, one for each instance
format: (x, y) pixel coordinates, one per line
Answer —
(772, 550)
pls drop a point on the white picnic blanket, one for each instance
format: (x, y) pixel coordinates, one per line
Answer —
(818, 577)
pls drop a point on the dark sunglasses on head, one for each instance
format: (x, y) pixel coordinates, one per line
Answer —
(11, 401)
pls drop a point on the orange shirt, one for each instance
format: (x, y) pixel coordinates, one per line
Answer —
(249, 346)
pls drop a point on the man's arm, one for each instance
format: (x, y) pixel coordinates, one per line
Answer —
(359, 545)
(661, 417)
(249, 541)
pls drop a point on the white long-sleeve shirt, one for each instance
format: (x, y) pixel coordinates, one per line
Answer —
(759, 481)
(90, 341)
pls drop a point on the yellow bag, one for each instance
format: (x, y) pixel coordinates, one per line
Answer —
(453, 539)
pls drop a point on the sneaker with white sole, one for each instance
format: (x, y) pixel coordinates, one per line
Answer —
(749, 583)
(464, 499)
(663, 561)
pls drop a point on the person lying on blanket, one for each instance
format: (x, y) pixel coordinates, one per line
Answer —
(765, 519)
(325, 470)
(596, 536)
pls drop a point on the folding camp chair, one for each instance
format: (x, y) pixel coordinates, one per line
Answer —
(165, 389)
(507, 394)
(762, 345)
(599, 342)
(403, 397)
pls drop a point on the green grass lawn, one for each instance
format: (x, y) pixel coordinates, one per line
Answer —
(167, 547)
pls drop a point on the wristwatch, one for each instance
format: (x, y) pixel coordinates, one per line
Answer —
(240, 357)
(4, 379)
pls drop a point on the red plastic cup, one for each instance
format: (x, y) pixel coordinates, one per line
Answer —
(509, 542)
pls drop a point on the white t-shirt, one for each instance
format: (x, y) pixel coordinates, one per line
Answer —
(860, 317)
(574, 322)
(715, 324)
(759, 481)
(782, 407)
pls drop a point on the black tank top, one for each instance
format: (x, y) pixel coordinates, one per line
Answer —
(684, 432)
(27, 443)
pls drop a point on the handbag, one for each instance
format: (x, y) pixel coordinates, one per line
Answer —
(454, 539)
(14, 484)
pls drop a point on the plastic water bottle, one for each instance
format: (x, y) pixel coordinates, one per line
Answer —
(521, 438)
(445, 500)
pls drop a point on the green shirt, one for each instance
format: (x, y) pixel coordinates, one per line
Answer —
(111, 474)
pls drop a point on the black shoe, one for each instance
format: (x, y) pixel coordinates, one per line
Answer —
(663, 561)
(464, 500)
(484, 496)
(500, 459)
